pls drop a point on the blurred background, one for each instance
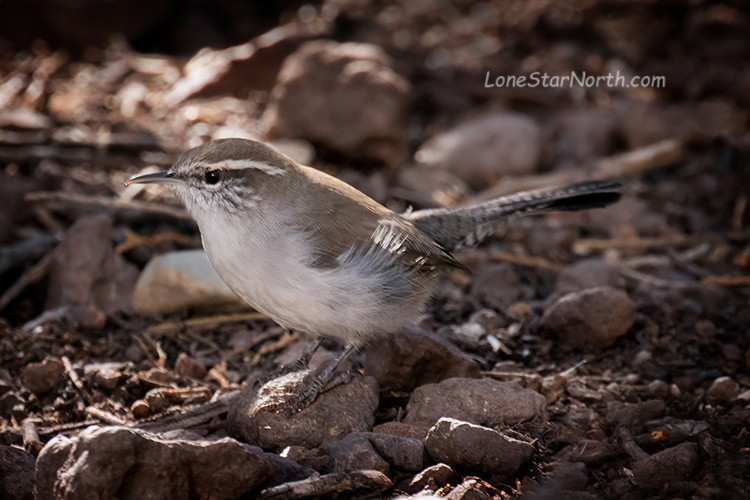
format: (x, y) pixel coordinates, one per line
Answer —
(393, 97)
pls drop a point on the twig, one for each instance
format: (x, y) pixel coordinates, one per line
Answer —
(73, 376)
(135, 240)
(31, 441)
(584, 247)
(171, 326)
(658, 155)
(59, 198)
(104, 416)
(34, 274)
(528, 261)
(652, 280)
(726, 280)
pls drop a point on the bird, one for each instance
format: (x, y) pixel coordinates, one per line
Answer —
(319, 256)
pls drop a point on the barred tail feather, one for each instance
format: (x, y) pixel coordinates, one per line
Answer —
(459, 227)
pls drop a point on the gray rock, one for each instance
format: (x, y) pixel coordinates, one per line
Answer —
(267, 420)
(117, 462)
(346, 96)
(403, 453)
(461, 444)
(479, 401)
(671, 465)
(482, 150)
(591, 319)
(414, 357)
(355, 452)
(402, 429)
(433, 478)
(178, 281)
(16, 474)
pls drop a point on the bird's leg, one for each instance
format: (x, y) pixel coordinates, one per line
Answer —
(299, 365)
(327, 379)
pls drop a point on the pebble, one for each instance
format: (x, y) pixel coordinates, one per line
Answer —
(185, 366)
(671, 465)
(461, 444)
(722, 390)
(433, 478)
(42, 377)
(478, 401)
(484, 149)
(592, 319)
(178, 281)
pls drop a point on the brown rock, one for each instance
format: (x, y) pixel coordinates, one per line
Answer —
(594, 318)
(433, 478)
(266, 419)
(568, 476)
(402, 453)
(498, 286)
(106, 375)
(634, 416)
(42, 377)
(414, 357)
(671, 465)
(345, 96)
(185, 366)
(482, 150)
(483, 402)
(722, 390)
(461, 444)
(16, 474)
(147, 466)
(355, 452)
(402, 429)
(86, 270)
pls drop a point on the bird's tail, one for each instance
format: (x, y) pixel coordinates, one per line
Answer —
(460, 227)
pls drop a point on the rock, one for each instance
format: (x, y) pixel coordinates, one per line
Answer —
(178, 281)
(402, 453)
(465, 445)
(568, 476)
(479, 401)
(355, 452)
(671, 465)
(266, 420)
(584, 135)
(473, 489)
(42, 377)
(16, 474)
(12, 406)
(106, 375)
(285, 469)
(482, 150)
(587, 273)
(147, 466)
(345, 96)
(402, 429)
(414, 357)
(634, 416)
(645, 123)
(239, 69)
(591, 319)
(722, 390)
(434, 478)
(140, 408)
(315, 459)
(86, 271)
(185, 366)
(435, 185)
(498, 286)
(628, 212)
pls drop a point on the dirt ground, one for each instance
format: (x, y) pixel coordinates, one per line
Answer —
(657, 408)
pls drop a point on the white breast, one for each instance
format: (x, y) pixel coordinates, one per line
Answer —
(267, 265)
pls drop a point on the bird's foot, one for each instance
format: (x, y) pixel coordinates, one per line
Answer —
(321, 383)
(300, 365)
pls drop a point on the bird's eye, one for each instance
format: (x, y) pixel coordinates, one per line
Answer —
(213, 177)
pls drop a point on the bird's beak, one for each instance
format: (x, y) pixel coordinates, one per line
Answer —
(158, 177)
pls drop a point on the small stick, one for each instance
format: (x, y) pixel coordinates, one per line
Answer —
(726, 280)
(34, 274)
(31, 441)
(61, 198)
(104, 416)
(73, 376)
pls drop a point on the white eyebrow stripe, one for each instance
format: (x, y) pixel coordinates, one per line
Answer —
(245, 164)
